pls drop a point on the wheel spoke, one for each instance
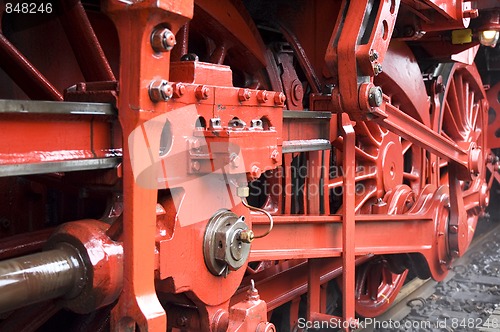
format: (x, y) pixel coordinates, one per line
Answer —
(362, 200)
(454, 103)
(406, 146)
(339, 180)
(410, 176)
(365, 135)
(449, 123)
(375, 278)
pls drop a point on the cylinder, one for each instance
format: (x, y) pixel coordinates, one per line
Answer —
(38, 277)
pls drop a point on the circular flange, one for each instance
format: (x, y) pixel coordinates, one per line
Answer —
(392, 162)
(223, 249)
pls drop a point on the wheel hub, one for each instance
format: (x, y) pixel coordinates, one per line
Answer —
(392, 161)
(223, 249)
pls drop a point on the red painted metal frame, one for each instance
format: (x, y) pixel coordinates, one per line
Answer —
(139, 65)
(326, 244)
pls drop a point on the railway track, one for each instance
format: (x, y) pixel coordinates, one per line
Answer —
(468, 299)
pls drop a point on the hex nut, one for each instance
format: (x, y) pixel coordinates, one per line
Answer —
(279, 98)
(179, 90)
(162, 40)
(262, 96)
(377, 68)
(160, 90)
(375, 96)
(202, 92)
(244, 94)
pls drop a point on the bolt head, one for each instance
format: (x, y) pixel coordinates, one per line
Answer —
(179, 90)
(202, 92)
(195, 166)
(454, 229)
(189, 57)
(374, 56)
(377, 68)
(234, 159)
(275, 155)
(160, 90)
(262, 96)
(247, 236)
(279, 98)
(244, 94)
(162, 40)
(255, 172)
(375, 96)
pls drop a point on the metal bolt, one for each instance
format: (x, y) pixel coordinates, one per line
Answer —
(279, 98)
(234, 159)
(255, 172)
(377, 68)
(373, 56)
(179, 89)
(162, 40)
(247, 236)
(262, 96)
(375, 96)
(202, 92)
(454, 229)
(160, 90)
(195, 166)
(244, 94)
(274, 155)
(189, 57)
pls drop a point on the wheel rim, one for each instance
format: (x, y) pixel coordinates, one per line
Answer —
(461, 120)
(376, 287)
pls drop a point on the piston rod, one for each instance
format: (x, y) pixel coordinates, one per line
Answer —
(42, 276)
